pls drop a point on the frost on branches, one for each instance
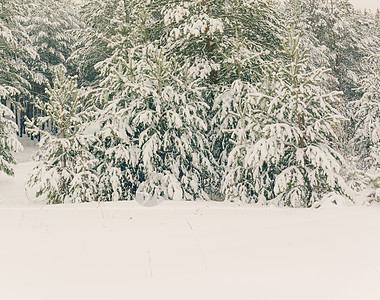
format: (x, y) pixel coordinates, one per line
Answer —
(63, 173)
(283, 152)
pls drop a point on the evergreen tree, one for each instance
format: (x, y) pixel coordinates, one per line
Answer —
(304, 16)
(13, 79)
(50, 26)
(8, 140)
(366, 140)
(14, 49)
(283, 152)
(159, 128)
(170, 115)
(99, 24)
(224, 40)
(64, 172)
(339, 38)
(221, 37)
(116, 146)
(136, 80)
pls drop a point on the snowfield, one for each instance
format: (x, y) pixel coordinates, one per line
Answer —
(183, 250)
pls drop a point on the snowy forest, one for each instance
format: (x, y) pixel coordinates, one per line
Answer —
(253, 101)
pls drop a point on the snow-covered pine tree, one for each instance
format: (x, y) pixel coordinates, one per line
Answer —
(169, 114)
(250, 38)
(305, 15)
(8, 138)
(116, 146)
(194, 30)
(110, 27)
(64, 171)
(225, 40)
(15, 48)
(116, 151)
(50, 26)
(343, 36)
(158, 114)
(212, 33)
(366, 140)
(338, 27)
(13, 78)
(100, 22)
(283, 152)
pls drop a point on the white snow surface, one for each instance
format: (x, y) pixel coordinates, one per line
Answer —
(183, 250)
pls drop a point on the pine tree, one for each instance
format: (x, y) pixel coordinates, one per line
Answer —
(116, 146)
(50, 26)
(366, 140)
(137, 79)
(99, 24)
(305, 15)
(64, 172)
(225, 40)
(344, 37)
(8, 140)
(162, 132)
(339, 28)
(283, 153)
(15, 48)
(13, 79)
(212, 33)
(109, 28)
(170, 114)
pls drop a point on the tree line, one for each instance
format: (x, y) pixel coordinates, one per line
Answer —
(256, 101)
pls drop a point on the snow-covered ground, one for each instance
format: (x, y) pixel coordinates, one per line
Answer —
(183, 250)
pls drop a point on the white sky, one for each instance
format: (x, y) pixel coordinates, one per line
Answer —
(371, 4)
